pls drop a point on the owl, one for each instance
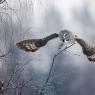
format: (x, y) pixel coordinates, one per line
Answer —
(32, 45)
(87, 49)
(66, 36)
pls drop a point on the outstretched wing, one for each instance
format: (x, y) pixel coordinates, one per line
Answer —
(88, 49)
(30, 45)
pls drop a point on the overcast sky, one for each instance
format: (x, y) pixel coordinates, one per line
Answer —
(40, 18)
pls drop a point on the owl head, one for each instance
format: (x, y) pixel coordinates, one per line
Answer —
(66, 35)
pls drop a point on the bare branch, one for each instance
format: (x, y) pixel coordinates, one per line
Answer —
(4, 55)
(72, 53)
(2, 1)
(50, 71)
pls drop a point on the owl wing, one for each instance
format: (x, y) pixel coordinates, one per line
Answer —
(30, 45)
(91, 58)
(87, 48)
(91, 53)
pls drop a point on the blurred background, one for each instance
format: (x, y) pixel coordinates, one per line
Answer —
(25, 73)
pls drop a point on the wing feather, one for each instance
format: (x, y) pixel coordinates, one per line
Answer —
(28, 45)
(87, 48)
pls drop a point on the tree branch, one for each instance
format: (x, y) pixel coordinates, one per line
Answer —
(4, 55)
(50, 71)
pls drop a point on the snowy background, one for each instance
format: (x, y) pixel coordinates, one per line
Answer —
(24, 19)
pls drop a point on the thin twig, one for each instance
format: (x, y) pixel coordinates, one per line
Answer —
(4, 55)
(50, 71)
(1, 1)
(72, 53)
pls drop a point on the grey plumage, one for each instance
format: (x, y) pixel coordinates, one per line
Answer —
(32, 45)
(87, 48)
(66, 35)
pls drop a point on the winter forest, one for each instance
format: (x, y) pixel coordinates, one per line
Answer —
(57, 68)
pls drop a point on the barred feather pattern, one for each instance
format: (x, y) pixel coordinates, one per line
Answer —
(88, 49)
(32, 45)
